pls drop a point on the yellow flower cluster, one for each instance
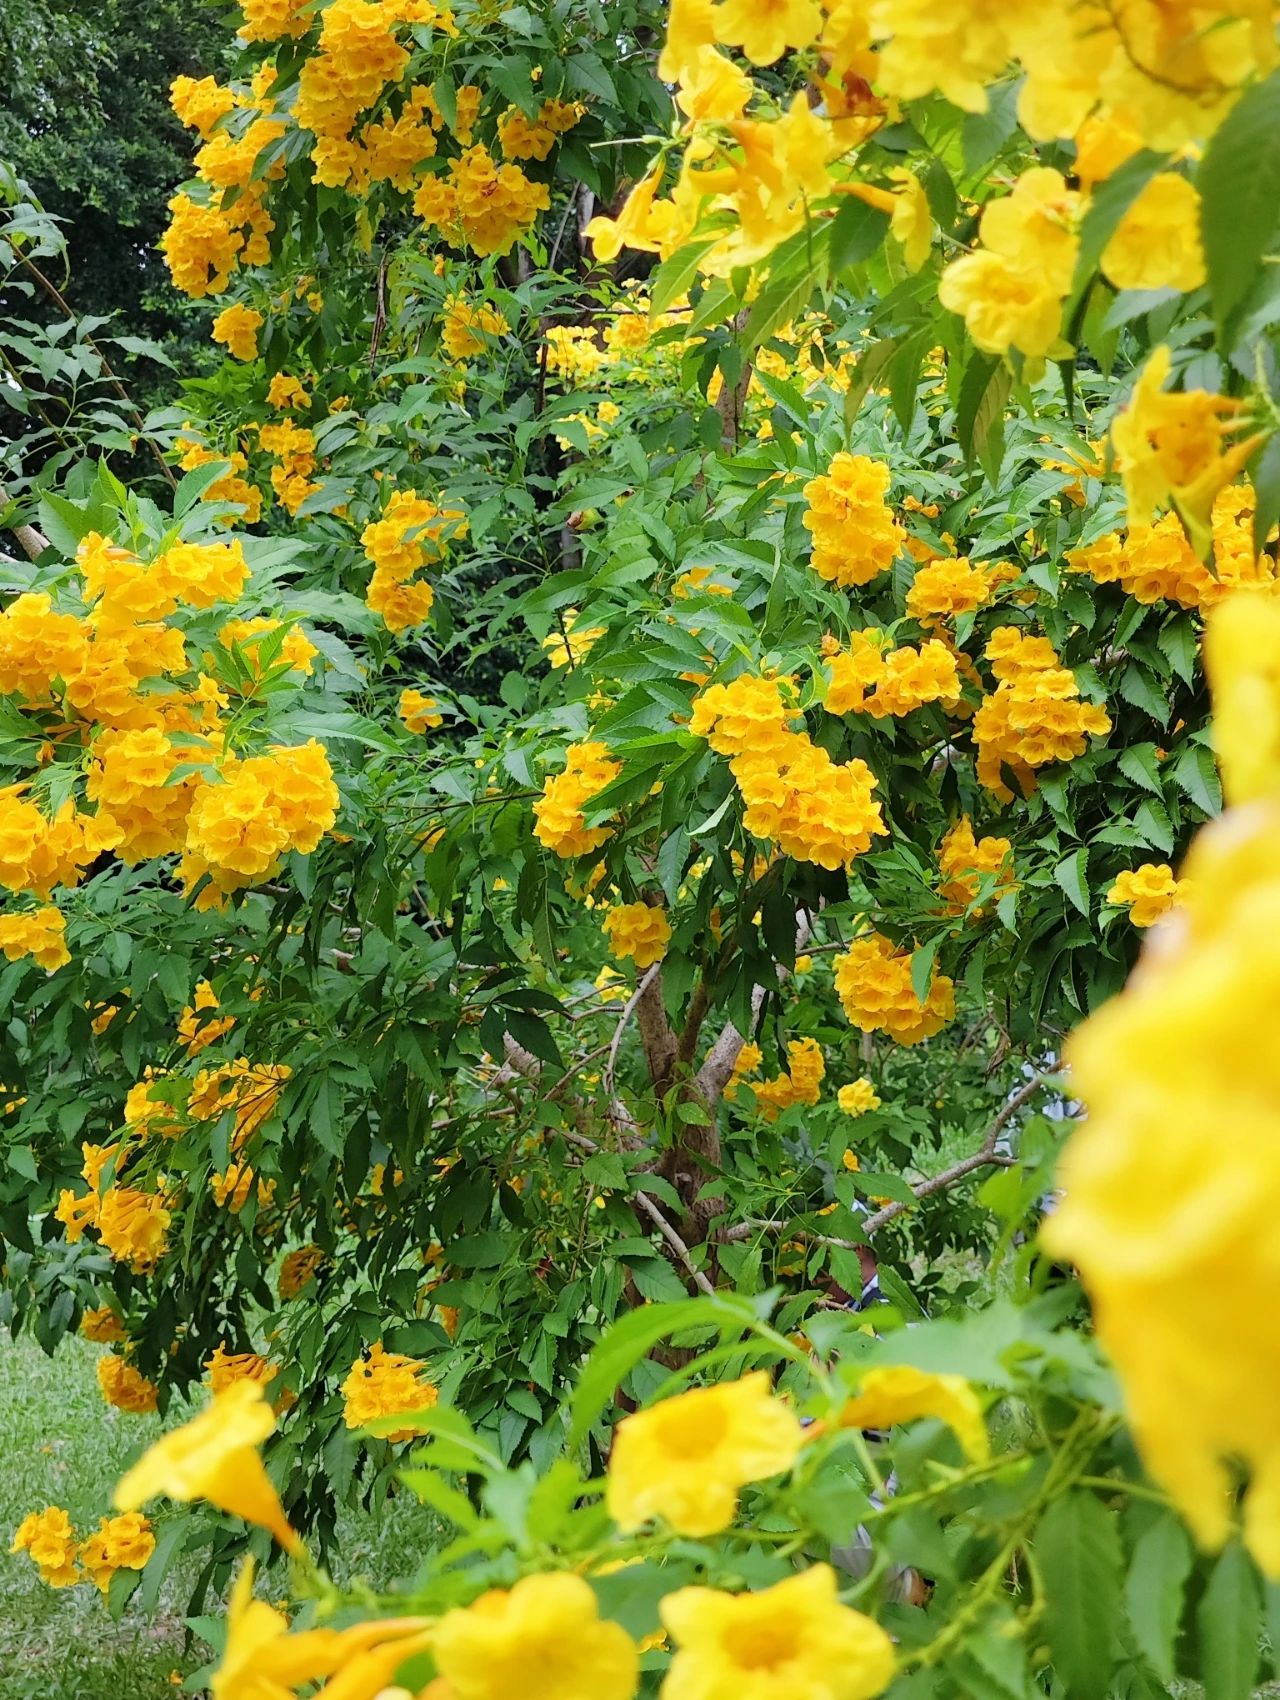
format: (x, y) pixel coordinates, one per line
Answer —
(199, 104)
(1156, 562)
(1181, 1054)
(1034, 716)
(89, 672)
(949, 587)
(231, 487)
(869, 678)
(558, 818)
(858, 1098)
(815, 809)
(567, 646)
(270, 20)
(800, 1083)
(237, 327)
(1149, 892)
(412, 532)
(385, 1384)
(39, 934)
(357, 57)
(900, 1393)
(238, 830)
(637, 930)
(525, 138)
(1011, 289)
(480, 204)
(125, 1387)
(465, 325)
(294, 446)
(103, 1327)
(297, 1269)
(224, 1367)
(873, 983)
(195, 1033)
(964, 859)
(207, 240)
(418, 711)
(119, 1543)
(855, 537)
(285, 391)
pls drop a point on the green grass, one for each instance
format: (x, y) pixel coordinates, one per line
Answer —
(60, 1444)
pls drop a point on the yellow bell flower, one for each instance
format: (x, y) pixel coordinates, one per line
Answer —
(899, 1393)
(686, 1459)
(541, 1640)
(214, 1457)
(794, 1641)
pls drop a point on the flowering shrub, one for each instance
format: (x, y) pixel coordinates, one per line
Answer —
(558, 861)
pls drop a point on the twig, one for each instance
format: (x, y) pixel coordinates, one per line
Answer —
(674, 1241)
(628, 1010)
(985, 1157)
(34, 543)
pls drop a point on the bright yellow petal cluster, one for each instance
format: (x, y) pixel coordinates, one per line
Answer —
(899, 1393)
(386, 1384)
(214, 1457)
(297, 1269)
(1011, 289)
(1034, 716)
(480, 204)
(795, 1639)
(948, 587)
(687, 1459)
(418, 711)
(125, 1387)
(800, 1083)
(465, 326)
(1156, 245)
(49, 1539)
(543, 1639)
(558, 818)
(858, 1098)
(39, 934)
(962, 861)
(119, 1543)
(855, 537)
(873, 983)
(869, 678)
(237, 327)
(637, 930)
(1149, 892)
(1172, 448)
(413, 532)
(815, 809)
(1172, 1185)
(200, 103)
(1156, 562)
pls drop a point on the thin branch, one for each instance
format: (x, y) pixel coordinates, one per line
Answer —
(34, 543)
(674, 1241)
(628, 1010)
(985, 1157)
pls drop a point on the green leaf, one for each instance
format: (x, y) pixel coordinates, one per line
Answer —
(675, 274)
(1239, 184)
(1153, 1591)
(922, 961)
(1179, 643)
(1072, 874)
(984, 390)
(1229, 1620)
(1264, 471)
(1139, 763)
(1152, 821)
(1196, 773)
(1077, 1547)
(1138, 687)
(630, 1339)
(1108, 204)
(856, 232)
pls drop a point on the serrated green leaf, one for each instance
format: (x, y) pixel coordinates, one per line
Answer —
(1153, 1591)
(1072, 874)
(1139, 763)
(1229, 1621)
(1239, 184)
(1077, 1547)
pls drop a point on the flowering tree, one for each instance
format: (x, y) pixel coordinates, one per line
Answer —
(668, 683)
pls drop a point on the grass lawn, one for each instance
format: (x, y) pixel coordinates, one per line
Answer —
(60, 1444)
